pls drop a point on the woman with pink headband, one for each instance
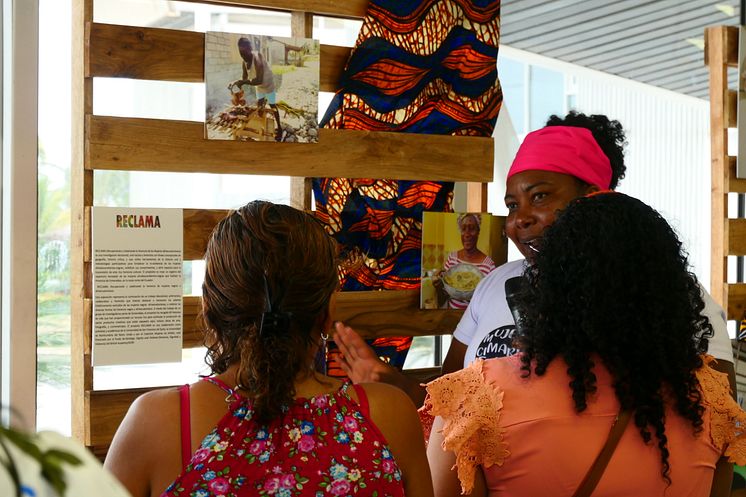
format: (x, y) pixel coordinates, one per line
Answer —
(567, 159)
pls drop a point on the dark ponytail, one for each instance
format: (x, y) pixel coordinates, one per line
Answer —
(270, 273)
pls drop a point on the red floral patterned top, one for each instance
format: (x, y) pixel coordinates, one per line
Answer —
(322, 446)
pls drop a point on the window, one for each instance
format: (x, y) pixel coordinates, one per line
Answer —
(546, 96)
(512, 75)
(532, 93)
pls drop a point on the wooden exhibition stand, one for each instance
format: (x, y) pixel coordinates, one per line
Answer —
(134, 144)
(728, 234)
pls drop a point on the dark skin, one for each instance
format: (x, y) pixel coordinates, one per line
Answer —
(533, 199)
(469, 237)
(247, 54)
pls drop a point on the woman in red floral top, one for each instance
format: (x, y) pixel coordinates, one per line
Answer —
(266, 424)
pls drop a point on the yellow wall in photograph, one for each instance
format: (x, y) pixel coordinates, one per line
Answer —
(441, 235)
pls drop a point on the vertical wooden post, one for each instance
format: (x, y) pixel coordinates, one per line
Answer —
(301, 26)
(717, 42)
(476, 197)
(81, 197)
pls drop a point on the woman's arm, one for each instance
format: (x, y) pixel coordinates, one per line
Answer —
(144, 442)
(394, 414)
(445, 479)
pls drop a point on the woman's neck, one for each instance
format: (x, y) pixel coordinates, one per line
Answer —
(307, 384)
(471, 255)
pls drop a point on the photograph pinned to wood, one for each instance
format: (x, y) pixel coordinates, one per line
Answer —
(261, 88)
(458, 251)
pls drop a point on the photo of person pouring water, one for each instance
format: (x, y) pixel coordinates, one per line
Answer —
(458, 250)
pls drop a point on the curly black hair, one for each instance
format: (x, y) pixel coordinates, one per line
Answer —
(608, 133)
(612, 283)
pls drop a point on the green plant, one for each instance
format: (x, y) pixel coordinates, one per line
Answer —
(51, 461)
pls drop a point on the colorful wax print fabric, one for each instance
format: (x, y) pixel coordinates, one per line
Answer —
(418, 66)
(422, 66)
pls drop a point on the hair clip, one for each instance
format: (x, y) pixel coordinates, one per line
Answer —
(272, 322)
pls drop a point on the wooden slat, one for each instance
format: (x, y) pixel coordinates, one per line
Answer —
(106, 409)
(423, 375)
(145, 53)
(730, 56)
(193, 333)
(100, 451)
(333, 62)
(735, 184)
(88, 325)
(179, 146)
(737, 237)
(198, 226)
(717, 42)
(301, 24)
(391, 313)
(372, 314)
(173, 55)
(736, 293)
(335, 8)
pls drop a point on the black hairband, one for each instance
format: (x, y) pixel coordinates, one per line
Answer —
(273, 322)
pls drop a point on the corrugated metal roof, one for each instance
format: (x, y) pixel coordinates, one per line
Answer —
(658, 42)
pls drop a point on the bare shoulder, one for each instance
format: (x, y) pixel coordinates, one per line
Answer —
(155, 408)
(392, 411)
(150, 416)
(146, 440)
(385, 393)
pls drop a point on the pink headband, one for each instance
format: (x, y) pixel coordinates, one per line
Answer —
(567, 150)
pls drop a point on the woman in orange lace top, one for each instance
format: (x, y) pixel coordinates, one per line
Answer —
(611, 321)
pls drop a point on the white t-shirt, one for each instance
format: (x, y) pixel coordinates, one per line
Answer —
(487, 326)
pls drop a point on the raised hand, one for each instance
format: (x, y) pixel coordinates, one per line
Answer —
(359, 360)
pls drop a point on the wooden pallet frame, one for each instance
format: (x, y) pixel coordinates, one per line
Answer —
(728, 235)
(101, 142)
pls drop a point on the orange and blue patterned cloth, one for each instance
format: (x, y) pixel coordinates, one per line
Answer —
(418, 66)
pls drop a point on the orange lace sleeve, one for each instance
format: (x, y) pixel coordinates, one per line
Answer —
(727, 419)
(470, 408)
